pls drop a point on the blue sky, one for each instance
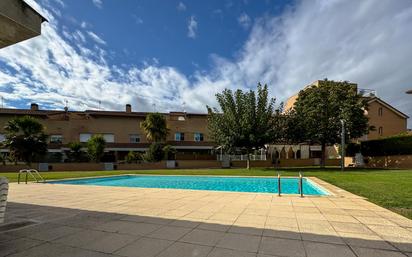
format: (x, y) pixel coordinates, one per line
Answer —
(169, 55)
(139, 31)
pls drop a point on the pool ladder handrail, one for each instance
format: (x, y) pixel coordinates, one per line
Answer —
(300, 187)
(300, 184)
(30, 171)
(279, 186)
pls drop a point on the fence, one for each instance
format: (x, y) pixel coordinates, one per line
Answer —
(243, 157)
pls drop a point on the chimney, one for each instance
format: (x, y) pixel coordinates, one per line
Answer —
(34, 107)
(128, 108)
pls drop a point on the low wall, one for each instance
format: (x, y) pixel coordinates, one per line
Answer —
(199, 164)
(295, 162)
(391, 161)
(142, 166)
(181, 164)
(12, 168)
(242, 164)
(332, 162)
(284, 163)
(83, 166)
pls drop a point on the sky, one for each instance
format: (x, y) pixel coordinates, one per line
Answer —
(167, 55)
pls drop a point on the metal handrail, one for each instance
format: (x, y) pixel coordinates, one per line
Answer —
(30, 171)
(300, 184)
(279, 186)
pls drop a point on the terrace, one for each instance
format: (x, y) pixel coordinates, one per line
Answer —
(76, 220)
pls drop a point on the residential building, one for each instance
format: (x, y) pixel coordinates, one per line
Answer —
(188, 132)
(384, 118)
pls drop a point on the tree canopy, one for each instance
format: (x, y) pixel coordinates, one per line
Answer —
(318, 111)
(245, 120)
(95, 147)
(155, 127)
(25, 138)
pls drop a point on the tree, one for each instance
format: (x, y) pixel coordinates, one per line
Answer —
(245, 121)
(95, 147)
(25, 138)
(318, 111)
(75, 153)
(155, 127)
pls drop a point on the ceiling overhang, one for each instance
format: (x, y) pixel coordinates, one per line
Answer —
(18, 22)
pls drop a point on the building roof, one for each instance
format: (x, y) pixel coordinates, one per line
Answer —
(10, 111)
(390, 107)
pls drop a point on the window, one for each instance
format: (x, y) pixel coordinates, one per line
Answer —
(181, 118)
(84, 137)
(109, 138)
(179, 136)
(198, 137)
(57, 139)
(134, 138)
(2, 138)
(380, 111)
(380, 131)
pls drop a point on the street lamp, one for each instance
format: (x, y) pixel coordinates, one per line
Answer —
(409, 92)
(342, 158)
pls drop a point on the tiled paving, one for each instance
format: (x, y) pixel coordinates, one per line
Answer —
(113, 221)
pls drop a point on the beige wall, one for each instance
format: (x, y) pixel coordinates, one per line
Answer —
(191, 125)
(121, 127)
(390, 121)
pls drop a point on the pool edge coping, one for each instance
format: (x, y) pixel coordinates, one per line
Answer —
(328, 193)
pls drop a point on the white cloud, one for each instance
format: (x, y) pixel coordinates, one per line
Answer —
(342, 40)
(96, 38)
(192, 27)
(181, 7)
(244, 20)
(98, 3)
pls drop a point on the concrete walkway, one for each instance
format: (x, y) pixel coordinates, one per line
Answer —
(71, 220)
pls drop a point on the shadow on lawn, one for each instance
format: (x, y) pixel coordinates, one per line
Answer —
(74, 232)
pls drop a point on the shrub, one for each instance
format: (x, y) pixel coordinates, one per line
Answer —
(95, 147)
(75, 154)
(155, 153)
(169, 152)
(25, 137)
(395, 145)
(133, 157)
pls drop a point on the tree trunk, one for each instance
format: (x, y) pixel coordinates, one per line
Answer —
(323, 156)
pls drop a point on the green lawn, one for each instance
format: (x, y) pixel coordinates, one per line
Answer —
(391, 189)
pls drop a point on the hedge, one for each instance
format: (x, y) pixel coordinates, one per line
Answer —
(396, 145)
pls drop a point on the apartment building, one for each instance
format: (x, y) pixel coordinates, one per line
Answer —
(386, 119)
(121, 129)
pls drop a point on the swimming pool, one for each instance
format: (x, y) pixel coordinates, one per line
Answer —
(233, 184)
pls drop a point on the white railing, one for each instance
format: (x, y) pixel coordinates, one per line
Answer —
(243, 157)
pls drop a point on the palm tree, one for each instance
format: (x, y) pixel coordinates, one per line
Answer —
(155, 127)
(25, 137)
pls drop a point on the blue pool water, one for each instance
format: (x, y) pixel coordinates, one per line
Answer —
(234, 184)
